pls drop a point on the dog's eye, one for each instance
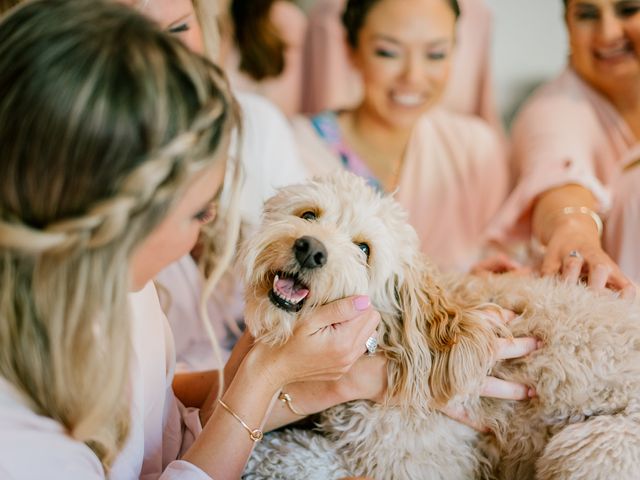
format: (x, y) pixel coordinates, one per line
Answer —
(365, 248)
(309, 215)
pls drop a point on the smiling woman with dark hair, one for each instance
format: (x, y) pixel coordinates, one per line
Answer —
(331, 82)
(571, 145)
(449, 169)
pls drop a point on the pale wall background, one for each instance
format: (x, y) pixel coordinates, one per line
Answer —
(529, 47)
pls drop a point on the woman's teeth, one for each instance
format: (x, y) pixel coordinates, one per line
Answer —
(613, 53)
(408, 100)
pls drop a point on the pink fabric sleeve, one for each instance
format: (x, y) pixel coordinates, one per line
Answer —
(553, 144)
(622, 225)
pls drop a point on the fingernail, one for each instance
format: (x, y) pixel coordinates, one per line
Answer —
(539, 344)
(361, 303)
(531, 393)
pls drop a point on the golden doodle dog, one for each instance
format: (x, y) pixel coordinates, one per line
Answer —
(335, 237)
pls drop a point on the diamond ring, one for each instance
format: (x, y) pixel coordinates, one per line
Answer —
(372, 345)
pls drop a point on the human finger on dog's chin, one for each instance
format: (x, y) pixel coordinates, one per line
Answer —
(337, 312)
(325, 346)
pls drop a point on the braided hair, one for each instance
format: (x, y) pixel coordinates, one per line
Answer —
(103, 120)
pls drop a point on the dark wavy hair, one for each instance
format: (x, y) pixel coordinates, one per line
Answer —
(257, 38)
(356, 11)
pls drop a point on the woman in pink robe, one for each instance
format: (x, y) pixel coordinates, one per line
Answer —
(570, 143)
(332, 82)
(448, 169)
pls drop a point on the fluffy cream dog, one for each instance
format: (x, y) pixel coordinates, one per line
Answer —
(336, 237)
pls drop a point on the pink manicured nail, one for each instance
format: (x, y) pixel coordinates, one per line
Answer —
(531, 393)
(361, 303)
(539, 344)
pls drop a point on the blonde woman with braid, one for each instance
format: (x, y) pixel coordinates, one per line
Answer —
(114, 139)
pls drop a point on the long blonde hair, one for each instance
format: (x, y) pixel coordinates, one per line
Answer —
(103, 120)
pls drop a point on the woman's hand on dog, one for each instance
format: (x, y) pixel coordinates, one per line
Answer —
(365, 380)
(575, 257)
(323, 346)
(494, 387)
(498, 264)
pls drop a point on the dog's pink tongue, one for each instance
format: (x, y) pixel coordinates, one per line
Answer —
(286, 287)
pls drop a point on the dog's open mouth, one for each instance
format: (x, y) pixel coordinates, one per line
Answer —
(288, 293)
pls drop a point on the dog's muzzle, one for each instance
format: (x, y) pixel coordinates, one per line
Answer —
(288, 292)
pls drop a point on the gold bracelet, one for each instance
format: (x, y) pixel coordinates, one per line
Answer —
(286, 398)
(573, 210)
(255, 435)
(586, 211)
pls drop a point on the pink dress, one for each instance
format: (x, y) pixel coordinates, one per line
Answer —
(453, 178)
(331, 83)
(566, 133)
(36, 447)
(285, 91)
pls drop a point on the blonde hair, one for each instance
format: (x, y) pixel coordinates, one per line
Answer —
(219, 240)
(208, 12)
(104, 120)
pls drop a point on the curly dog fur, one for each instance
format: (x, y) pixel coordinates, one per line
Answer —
(584, 424)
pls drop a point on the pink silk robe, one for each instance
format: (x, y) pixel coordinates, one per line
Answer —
(453, 180)
(566, 133)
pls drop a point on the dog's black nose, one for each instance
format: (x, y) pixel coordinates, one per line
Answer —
(310, 252)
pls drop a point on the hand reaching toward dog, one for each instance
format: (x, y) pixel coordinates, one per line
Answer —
(574, 257)
(494, 387)
(324, 346)
(499, 263)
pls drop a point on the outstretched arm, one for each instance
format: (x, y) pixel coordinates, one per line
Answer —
(565, 222)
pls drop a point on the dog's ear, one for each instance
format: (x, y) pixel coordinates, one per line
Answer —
(458, 340)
